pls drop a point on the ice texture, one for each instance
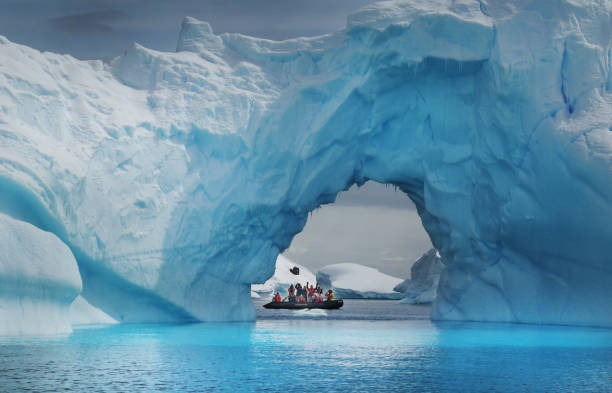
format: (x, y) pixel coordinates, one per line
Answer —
(354, 281)
(177, 178)
(83, 313)
(422, 286)
(283, 278)
(39, 279)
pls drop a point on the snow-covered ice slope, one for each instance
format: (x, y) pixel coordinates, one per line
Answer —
(282, 277)
(354, 281)
(39, 279)
(83, 313)
(177, 177)
(422, 286)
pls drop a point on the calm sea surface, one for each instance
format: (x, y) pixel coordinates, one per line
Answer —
(368, 346)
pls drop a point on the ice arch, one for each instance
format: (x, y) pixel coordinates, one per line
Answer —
(180, 176)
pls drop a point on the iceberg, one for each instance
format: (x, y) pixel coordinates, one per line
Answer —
(422, 286)
(39, 279)
(174, 177)
(354, 281)
(82, 313)
(283, 278)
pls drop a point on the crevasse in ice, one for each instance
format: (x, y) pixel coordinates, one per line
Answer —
(177, 177)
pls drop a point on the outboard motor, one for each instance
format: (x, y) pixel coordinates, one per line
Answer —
(295, 270)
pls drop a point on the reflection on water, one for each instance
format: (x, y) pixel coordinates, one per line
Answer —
(328, 354)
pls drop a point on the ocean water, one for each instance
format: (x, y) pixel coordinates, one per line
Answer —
(368, 346)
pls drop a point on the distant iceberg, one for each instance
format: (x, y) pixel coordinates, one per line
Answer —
(354, 281)
(422, 286)
(282, 278)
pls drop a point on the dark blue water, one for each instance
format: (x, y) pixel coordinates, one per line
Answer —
(385, 348)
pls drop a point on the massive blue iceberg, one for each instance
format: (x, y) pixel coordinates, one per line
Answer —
(175, 177)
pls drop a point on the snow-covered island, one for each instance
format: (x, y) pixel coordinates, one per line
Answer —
(422, 286)
(172, 177)
(354, 281)
(282, 278)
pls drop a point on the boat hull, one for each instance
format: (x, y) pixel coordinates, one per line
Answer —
(333, 305)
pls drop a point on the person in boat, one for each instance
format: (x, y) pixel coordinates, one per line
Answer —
(311, 294)
(330, 295)
(318, 298)
(291, 291)
(277, 297)
(303, 291)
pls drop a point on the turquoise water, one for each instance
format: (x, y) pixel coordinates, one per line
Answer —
(390, 350)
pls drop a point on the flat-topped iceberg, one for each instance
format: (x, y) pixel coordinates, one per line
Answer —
(283, 278)
(422, 286)
(177, 177)
(354, 281)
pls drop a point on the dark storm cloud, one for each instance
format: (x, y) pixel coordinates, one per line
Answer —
(87, 23)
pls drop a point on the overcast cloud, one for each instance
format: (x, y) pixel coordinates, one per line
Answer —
(373, 225)
(105, 28)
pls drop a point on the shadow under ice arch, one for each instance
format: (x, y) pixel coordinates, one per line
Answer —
(494, 121)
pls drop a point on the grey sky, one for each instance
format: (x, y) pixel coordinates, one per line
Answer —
(373, 225)
(105, 28)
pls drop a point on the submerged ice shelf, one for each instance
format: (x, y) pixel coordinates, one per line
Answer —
(174, 177)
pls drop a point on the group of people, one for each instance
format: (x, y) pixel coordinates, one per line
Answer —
(304, 294)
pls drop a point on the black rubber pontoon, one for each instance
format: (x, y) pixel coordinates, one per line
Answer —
(333, 305)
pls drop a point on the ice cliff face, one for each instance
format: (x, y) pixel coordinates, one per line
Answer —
(177, 178)
(39, 279)
(422, 286)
